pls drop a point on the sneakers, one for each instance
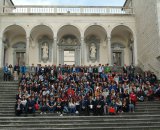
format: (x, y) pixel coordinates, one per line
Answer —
(42, 113)
(61, 115)
(77, 112)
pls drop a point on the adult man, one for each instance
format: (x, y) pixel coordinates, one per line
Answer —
(98, 106)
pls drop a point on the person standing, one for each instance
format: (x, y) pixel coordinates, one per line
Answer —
(5, 71)
(23, 69)
(16, 72)
(33, 69)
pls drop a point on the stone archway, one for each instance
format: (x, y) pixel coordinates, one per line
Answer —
(14, 36)
(41, 45)
(69, 42)
(95, 40)
(122, 45)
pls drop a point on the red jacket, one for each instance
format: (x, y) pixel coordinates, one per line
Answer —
(133, 97)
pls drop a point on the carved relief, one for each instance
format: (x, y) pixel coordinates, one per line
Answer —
(69, 40)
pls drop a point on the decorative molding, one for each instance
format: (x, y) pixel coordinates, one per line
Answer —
(68, 40)
(19, 45)
(117, 46)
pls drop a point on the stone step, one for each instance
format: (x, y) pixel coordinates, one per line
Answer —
(99, 128)
(149, 109)
(11, 98)
(12, 109)
(6, 101)
(81, 125)
(151, 104)
(9, 85)
(158, 111)
(12, 113)
(8, 91)
(8, 82)
(69, 117)
(148, 103)
(8, 94)
(9, 88)
(66, 120)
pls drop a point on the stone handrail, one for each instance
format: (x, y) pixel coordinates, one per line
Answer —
(29, 9)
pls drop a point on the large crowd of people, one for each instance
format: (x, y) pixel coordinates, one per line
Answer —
(82, 90)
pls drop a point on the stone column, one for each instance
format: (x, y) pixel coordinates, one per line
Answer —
(1, 52)
(83, 51)
(55, 51)
(135, 60)
(109, 51)
(27, 51)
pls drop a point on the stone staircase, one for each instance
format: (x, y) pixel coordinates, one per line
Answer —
(146, 117)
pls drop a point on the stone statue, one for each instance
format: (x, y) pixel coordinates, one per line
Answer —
(93, 51)
(45, 51)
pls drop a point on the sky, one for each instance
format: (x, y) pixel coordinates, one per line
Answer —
(71, 2)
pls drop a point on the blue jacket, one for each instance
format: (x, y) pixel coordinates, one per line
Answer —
(23, 69)
(5, 69)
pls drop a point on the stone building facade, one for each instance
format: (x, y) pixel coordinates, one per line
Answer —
(80, 35)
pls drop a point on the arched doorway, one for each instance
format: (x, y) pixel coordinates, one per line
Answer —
(19, 53)
(118, 54)
(122, 45)
(69, 45)
(14, 42)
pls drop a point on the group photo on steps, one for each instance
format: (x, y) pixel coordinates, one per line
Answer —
(82, 90)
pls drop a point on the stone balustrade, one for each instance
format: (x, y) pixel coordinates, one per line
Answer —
(28, 9)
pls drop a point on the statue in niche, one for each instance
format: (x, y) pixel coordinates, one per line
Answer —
(45, 51)
(93, 51)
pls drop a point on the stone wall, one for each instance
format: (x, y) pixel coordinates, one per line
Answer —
(147, 34)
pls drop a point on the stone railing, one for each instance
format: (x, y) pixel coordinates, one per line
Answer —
(67, 10)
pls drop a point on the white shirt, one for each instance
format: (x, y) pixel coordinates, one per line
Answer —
(100, 69)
